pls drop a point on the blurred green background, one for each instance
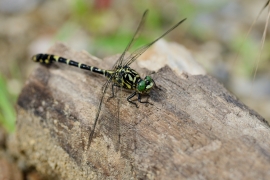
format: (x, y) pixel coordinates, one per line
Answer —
(214, 32)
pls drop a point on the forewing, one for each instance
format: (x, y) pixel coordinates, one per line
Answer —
(142, 49)
(135, 36)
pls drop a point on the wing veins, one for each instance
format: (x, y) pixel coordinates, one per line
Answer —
(142, 49)
(135, 36)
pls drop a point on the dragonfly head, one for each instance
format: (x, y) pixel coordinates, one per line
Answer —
(144, 85)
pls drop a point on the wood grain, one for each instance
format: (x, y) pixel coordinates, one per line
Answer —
(195, 128)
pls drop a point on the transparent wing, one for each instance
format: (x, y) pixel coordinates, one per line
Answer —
(104, 89)
(135, 36)
(142, 49)
(118, 63)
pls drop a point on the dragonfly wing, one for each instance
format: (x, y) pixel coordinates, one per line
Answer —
(135, 36)
(142, 49)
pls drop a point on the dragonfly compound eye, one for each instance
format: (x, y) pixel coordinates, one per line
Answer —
(149, 82)
(148, 78)
(145, 85)
(141, 86)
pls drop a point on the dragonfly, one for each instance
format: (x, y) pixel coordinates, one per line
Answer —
(121, 75)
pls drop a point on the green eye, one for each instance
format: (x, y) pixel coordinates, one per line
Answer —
(141, 86)
(148, 78)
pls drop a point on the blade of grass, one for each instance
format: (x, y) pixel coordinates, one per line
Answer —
(7, 111)
(262, 41)
(253, 23)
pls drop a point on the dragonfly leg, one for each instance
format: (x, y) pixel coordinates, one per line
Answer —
(112, 96)
(140, 99)
(131, 96)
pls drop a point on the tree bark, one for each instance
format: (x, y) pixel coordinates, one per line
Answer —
(194, 129)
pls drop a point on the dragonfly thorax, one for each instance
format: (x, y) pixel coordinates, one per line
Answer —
(130, 79)
(126, 77)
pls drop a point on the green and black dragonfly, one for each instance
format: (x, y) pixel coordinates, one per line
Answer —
(121, 74)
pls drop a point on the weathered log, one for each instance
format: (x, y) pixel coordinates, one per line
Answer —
(195, 128)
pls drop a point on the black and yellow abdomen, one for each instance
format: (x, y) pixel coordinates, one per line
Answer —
(49, 58)
(124, 77)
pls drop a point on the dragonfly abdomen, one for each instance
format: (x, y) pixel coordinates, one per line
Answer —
(49, 58)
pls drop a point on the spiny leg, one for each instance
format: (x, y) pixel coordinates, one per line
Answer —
(131, 96)
(112, 96)
(139, 98)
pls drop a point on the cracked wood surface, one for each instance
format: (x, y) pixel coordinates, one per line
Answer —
(195, 128)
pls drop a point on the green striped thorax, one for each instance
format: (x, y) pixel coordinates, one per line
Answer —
(130, 79)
